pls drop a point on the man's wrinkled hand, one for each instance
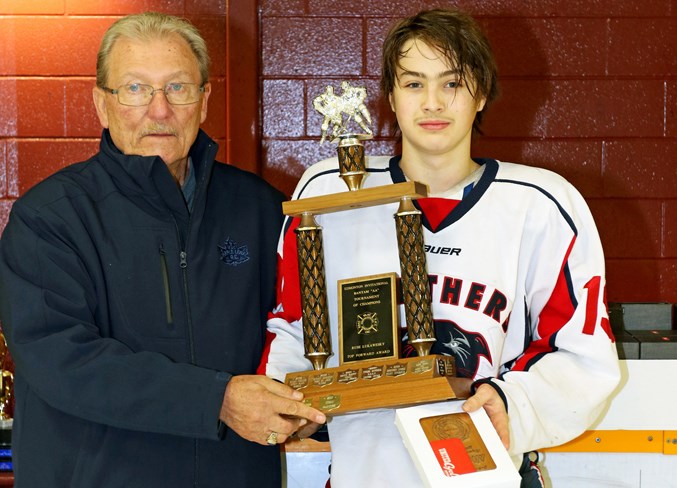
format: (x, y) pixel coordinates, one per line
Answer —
(264, 411)
(307, 430)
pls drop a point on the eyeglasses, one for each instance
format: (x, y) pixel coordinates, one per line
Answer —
(139, 95)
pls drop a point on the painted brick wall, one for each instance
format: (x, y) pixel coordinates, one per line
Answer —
(589, 89)
(47, 71)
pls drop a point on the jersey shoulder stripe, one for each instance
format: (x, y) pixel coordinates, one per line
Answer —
(548, 195)
(314, 176)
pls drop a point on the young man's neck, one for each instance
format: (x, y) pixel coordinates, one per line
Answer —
(440, 173)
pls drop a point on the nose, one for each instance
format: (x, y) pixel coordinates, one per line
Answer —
(434, 101)
(159, 107)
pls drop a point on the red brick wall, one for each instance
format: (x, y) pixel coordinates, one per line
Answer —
(589, 89)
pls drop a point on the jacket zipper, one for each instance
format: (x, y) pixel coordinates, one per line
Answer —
(183, 264)
(165, 282)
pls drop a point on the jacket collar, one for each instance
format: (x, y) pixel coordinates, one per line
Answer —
(148, 177)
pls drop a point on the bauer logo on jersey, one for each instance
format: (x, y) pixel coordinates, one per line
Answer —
(232, 253)
(367, 323)
(449, 251)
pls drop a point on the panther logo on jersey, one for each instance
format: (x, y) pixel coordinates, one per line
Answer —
(466, 347)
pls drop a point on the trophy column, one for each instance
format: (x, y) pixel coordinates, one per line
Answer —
(415, 286)
(316, 333)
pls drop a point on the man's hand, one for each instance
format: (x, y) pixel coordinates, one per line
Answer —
(308, 430)
(487, 397)
(256, 406)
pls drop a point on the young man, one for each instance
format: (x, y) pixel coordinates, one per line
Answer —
(134, 289)
(514, 259)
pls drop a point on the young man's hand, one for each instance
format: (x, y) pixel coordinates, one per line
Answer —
(487, 397)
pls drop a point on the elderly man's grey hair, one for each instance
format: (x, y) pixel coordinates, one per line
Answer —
(147, 26)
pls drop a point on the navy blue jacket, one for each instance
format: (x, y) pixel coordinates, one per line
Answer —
(126, 316)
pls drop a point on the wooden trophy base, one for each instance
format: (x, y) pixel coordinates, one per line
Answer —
(390, 383)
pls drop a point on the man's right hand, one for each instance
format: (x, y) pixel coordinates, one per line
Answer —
(255, 406)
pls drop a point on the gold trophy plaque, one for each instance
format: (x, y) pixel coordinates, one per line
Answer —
(368, 317)
(371, 374)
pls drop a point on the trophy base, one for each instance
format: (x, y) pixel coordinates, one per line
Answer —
(391, 383)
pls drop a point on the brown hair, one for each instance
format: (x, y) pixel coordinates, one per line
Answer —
(459, 38)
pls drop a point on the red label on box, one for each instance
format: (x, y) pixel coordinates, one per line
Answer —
(452, 456)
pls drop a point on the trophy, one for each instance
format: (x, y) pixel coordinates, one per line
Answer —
(370, 374)
(6, 398)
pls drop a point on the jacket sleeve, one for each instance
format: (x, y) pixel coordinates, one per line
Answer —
(559, 385)
(49, 309)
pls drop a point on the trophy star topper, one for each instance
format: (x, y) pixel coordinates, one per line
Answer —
(333, 108)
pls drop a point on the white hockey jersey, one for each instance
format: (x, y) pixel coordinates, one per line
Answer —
(518, 295)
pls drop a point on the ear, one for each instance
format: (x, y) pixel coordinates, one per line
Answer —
(100, 104)
(391, 101)
(480, 104)
(207, 92)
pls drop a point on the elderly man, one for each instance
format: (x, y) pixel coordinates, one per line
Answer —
(134, 288)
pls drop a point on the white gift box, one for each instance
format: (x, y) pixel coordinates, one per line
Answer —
(441, 457)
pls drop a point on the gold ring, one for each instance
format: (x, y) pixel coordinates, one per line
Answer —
(272, 439)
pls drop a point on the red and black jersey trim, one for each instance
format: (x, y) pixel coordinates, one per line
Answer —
(490, 171)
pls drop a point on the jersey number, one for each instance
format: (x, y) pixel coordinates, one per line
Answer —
(594, 290)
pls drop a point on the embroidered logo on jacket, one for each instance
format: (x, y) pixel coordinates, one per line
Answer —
(232, 253)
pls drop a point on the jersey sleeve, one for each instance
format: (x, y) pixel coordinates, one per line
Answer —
(284, 351)
(559, 385)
